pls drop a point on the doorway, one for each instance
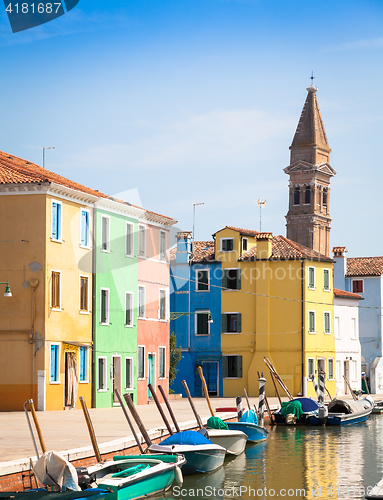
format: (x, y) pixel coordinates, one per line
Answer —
(71, 379)
(210, 372)
(151, 371)
(116, 377)
(346, 371)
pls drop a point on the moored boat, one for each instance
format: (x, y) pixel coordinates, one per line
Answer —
(296, 411)
(345, 412)
(233, 441)
(254, 432)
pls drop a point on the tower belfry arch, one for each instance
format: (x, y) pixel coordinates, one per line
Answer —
(308, 220)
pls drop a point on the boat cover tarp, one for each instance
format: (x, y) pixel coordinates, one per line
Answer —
(346, 406)
(53, 470)
(250, 417)
(293, 406)
(186, 437)
(131, 470)
(216, 423)
(308, 404)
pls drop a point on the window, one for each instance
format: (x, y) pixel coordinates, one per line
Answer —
(141, 361)
(231, 279)
(312, 278)
(353, 370)
(326, 280)
(162, 245)
(104, 319)
(162, 308)
(102, 381)
(83, 364)
(84, 294)
(141, 302)
(128, 309)
(297, 196)
(325, 197)
(310, 367)
(357, 286)
(227, 244)
(354, 331)
(312, 322)
(128, 373)
(330, 369)
(231, 323)
(55, 290)
(327, 323)
(129, 251)
(56, 220)
(338, 371)
(141, 241)
(105, 236)
(202, 278)
(202, 325)
(162, 362)
(337, 327)
(85, 228)
(244, 244)
(307, 195)
(232, 366)
(55, 363)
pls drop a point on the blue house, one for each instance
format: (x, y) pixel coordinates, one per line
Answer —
(195, 279)
(364, 276)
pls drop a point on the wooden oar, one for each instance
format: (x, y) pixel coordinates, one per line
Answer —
(30, 426)
(354, 397)
(37, 425)
(166, 422)
(248, 403)
(91, 430)
(276, 388)
(365, 381)
(169, 408)
(117, 393)
(135, 415)
(277, 377)
(198, 418)
(200, 373)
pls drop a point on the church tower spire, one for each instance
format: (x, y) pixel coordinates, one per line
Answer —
(308, 220)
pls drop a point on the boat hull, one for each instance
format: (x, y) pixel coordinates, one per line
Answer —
(359, 410)
(254, 432)
(234, 442)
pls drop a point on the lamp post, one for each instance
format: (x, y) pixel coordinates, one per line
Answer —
(195, 205)
(8, 292)
(44, 148)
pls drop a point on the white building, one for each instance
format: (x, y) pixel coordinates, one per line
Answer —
(347, 344)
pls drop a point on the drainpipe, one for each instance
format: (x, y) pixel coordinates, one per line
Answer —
(93, 384)
(304, 379)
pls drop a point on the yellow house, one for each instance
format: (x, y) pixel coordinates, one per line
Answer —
(277, 302)
(46, 255)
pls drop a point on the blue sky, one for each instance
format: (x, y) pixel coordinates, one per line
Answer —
(198, 100)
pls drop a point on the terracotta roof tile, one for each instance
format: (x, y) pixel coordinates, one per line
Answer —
(203, 252)
(346, 295)
(364, 266)
(244, 232)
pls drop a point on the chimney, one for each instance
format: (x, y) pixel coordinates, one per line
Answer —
(183, 247)
(340, 267)
(264, 245)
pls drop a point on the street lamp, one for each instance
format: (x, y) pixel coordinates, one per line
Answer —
(176, 315)
(8, 292)
(44, 148)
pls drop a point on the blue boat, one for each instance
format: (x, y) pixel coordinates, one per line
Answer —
(344, 412)
(248, 423)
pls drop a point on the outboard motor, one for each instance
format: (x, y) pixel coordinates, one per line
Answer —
(85, 480)
(323, 414)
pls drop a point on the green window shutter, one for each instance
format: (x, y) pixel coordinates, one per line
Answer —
(224, 245)
(224, 366)
(224, 279)
(238, 322)
(326, 279)
(311, 321)
(311, 277)
(239, 366)
(223, 323)
(238, 280)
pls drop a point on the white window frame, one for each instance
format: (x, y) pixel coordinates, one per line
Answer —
(328, 369)
(107, 305)
(130, 358)
(324, 322)
(105, 372)
(166, 304)
(86, 381)
(308, 366)
(144, 361)
(159, 357)
(207, 311)
(60, 238)
(329, 284)
(132, 310)
(226, 251)
(159, 253)
(354, 329)
(58, 381)
(231, 333)
(308, 280)
(55, 308)
(88, 212)
(338, 374)
(107, 218)
(315, 325)
(352, 285)
(82, 311)
(142, 254)
(131, 253)
(337, 333)
(138, 302)
(208, 280)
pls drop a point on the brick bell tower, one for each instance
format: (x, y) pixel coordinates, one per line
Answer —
(308, 220)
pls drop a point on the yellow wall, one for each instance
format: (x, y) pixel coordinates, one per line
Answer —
(272, 327)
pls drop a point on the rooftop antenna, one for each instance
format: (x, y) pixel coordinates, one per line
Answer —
(195, 205)
(260, 203)
(44, 148)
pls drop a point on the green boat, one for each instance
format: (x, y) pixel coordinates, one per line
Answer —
(137, 476)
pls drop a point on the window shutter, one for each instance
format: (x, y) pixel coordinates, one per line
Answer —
(54, 221)
(223, 323)
(238, 322)
(238, 280)
(224, 366)
(53, 363)
(83, 227)
(224, 279)
(224, 245)
(239, 366)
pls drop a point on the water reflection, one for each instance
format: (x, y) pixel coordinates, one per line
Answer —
(298, 462)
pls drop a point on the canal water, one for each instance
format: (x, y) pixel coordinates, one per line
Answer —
(298, 462)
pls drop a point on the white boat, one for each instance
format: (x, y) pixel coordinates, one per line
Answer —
(233, 441)
(201, 454)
